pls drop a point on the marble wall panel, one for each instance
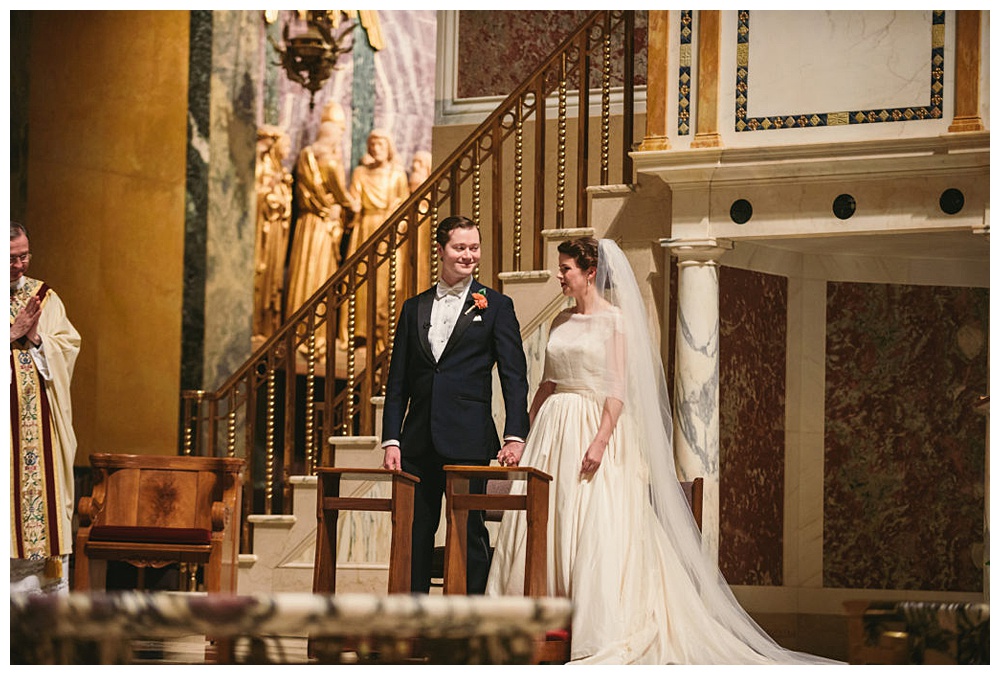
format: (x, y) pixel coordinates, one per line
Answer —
(904, 465)
(196, 199)
(224, 92)
(232, 200)
(833, 68)
(404, 72)
(752, 325)
(499, 49)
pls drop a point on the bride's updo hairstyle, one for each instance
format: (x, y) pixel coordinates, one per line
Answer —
(583, 250)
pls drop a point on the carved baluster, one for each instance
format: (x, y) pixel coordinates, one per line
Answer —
(311, 394)
(352, 313)
(391, 328)
(561, 161)
(269, 441)
(518, 181)
(606, 102)
(477, 190)
(435, 262)
(231, 426)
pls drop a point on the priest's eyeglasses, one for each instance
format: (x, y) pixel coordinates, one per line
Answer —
(23, 258)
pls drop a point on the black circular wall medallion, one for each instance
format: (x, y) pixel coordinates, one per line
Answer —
(952, 201)
(844, 206)
(741, 211)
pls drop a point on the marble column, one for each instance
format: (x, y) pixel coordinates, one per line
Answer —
(362, 96)
(696, 381)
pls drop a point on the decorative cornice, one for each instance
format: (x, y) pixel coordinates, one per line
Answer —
(697, 250)
(948, 153)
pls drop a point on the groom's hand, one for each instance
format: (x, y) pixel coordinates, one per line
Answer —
(510, 453)
(391, 459)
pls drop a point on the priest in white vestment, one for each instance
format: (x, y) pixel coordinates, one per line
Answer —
(43, 350)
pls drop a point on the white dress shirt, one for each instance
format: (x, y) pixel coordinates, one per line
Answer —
(448, 302)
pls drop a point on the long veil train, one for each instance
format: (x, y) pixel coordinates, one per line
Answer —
(648, 399)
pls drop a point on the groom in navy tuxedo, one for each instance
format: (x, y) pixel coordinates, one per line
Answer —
(439, 395)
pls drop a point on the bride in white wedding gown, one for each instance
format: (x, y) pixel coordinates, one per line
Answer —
(622, 543)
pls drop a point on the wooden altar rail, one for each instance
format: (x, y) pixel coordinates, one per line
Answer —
(82, 628)
(500, 178)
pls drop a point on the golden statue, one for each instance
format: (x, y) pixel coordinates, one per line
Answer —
(378, 185)
(274, 215)
(321, 197)
(420, 171)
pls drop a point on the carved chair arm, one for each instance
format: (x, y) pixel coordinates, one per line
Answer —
(85, 510)
(220, 516)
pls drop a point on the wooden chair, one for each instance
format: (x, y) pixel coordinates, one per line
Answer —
(154, 510)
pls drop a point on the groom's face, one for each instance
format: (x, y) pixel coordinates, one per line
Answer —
(460, 255)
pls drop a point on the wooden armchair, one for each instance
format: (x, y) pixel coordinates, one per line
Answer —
(154, 510)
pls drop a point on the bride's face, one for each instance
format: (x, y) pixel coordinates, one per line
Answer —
(571, 278)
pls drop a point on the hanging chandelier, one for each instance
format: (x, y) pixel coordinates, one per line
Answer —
(310, 57)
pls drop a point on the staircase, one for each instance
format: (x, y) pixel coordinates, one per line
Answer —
(530, 182)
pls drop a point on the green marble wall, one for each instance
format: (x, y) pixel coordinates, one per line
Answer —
(223, 99)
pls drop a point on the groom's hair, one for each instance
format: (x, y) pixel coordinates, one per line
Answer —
(451, 223)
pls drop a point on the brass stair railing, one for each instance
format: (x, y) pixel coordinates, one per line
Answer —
(498, 177)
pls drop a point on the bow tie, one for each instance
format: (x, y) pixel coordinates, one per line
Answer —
(443, 290)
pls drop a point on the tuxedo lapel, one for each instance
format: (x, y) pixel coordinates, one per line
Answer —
(465, 319)
(424, 307)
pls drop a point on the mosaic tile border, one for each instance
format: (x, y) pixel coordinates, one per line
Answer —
(933, 110)
(684, 75)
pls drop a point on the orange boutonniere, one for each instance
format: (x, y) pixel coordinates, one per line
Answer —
(479, 301)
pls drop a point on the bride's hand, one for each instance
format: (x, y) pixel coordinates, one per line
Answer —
(592, 458)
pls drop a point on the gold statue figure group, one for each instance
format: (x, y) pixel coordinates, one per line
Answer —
(327, 208)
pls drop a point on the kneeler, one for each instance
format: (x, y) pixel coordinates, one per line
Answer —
(329, 504)
(553, 647)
